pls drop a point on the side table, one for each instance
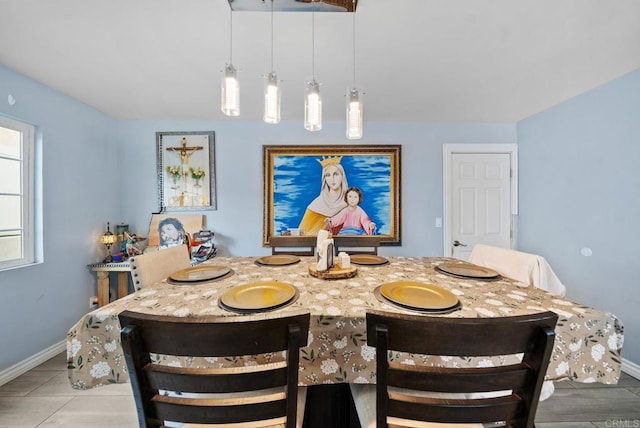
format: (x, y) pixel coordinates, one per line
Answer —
(102, 270)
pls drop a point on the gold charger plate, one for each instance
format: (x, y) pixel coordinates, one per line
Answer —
(380, 298)
(258, 295)
(467, 270)
(199, 273)
(368, 260)
(278, 260)
(418, 295)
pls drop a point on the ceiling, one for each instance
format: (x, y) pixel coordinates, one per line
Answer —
(416, 60)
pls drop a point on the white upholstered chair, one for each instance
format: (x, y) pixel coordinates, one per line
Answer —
(529, 268)
(524, 267)
(154, 266)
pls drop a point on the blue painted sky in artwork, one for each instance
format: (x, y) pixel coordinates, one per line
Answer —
(297, 181)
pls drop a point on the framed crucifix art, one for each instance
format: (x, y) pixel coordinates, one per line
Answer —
(186, 172)
(349, 190)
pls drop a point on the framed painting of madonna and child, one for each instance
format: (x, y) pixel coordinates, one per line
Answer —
(349, 190)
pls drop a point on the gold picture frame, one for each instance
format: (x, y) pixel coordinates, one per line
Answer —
(299, 199)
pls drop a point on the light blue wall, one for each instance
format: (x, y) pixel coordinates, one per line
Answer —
(238, 220)
(97, 169)
(580, 187)
(38, 304)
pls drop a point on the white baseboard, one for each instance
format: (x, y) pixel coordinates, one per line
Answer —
(33, 361)
(631, 368)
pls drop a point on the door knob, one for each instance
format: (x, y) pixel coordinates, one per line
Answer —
(457, 243)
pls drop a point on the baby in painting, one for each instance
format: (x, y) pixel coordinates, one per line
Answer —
(352, 220)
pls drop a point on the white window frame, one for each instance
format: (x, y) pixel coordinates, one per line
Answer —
(27, 158)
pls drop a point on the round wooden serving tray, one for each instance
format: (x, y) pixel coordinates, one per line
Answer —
(335, 272)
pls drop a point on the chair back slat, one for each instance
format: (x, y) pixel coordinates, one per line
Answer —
(357, 244)
(485, 331)
(458, 411)
(261, 393)
(210, 336)
(190, 411)
(507, 393)
(293, 245)
(462, 380)
(202, 382)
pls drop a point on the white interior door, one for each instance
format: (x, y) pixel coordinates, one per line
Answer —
(478, 201)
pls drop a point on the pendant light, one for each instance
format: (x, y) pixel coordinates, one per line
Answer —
(355, 113)
(313, 100)
(230, 94)
(272, 92)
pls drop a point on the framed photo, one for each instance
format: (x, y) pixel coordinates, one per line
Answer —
(351, 190)
(167, 230)
(186, 171)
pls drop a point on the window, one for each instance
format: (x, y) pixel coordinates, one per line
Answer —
(16, 194)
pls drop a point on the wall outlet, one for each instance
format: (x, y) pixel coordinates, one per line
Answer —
(93, 302)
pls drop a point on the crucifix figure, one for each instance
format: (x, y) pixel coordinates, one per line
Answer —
(185, 151)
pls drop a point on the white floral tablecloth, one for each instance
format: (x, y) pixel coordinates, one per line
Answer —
(587, 347)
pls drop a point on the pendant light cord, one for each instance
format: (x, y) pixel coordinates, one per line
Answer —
(313, 40)
(354, 43)
(272, 36)
(230, 36)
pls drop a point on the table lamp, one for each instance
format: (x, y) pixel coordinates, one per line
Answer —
(108, 239)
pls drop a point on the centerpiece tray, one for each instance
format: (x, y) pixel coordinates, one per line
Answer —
(335, 272)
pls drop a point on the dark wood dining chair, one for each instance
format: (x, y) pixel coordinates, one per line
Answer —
(293, 245)
(507, 393)
(357, 244)
(265, 393)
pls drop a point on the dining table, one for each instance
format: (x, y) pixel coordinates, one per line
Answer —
(587, 346)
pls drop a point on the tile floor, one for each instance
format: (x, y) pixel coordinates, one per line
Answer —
(43, 397)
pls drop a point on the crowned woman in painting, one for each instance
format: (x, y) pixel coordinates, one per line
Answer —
(330, 201)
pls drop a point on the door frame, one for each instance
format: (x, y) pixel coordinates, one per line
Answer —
(450, 149)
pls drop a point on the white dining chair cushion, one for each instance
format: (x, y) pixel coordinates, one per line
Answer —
(157, 265)
(529, 268)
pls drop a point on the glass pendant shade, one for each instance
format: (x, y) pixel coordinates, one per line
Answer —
(272, 97)
(313, 107)
(230, 98)
(354, 114)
